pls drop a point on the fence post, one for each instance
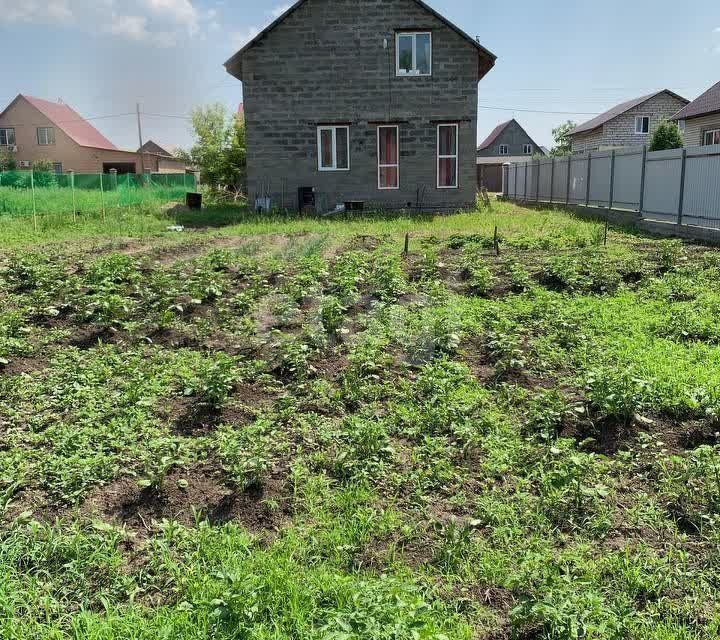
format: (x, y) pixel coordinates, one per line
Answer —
(32, 188)
(642, 179)
(102, 196)
(681, 203)
(72, 188)
(515, 194)
(113, 179)
(567, 191)
(552, 179)
(589, 174)
(537, 181)
(525, 195)
(612, 180)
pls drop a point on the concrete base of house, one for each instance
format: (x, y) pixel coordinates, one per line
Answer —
(627, 218)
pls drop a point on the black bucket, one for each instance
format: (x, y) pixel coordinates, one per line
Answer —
(193, 200)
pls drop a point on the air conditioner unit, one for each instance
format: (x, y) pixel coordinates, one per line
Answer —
(25, 164)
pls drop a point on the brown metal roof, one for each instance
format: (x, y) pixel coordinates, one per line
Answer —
(485, 63)
(618, 110)
(707, 103)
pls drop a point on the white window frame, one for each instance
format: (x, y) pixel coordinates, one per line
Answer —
(389, 166)
(681, 125)
(456, 156)
(504, 150)
(6, 131)
(414, 73)
(49, 136)
(527, 149)
(709, 132)
(334, 128)
(639, 131)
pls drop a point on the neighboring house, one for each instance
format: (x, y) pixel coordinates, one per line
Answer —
(629, 124)
(153, 147)
(368, 103)
(32, 129)
(508, 142)
(700, 120)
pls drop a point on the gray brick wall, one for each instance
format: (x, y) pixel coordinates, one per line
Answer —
(326, 63)
(620, 131)
(515, 137)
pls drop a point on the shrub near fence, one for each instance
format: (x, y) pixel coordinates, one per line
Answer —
(24, 192)
(681, 186)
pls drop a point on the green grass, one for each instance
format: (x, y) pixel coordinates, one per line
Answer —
(280, 427)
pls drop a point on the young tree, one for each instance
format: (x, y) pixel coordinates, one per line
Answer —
(219, 149)
(563, 144)
(666, 136)
(7, 161)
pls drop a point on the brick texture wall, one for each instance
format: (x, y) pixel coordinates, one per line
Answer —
(620, 131)
(327, 63)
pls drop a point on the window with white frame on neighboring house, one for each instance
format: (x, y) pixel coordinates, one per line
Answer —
(681, 125)
(447, 156)
(642, 125)
(388, 157)
(527, 149)
(45, 136)
(333, 148)
(7, 137)
(504, 150)
(413, 55)
(711, 137)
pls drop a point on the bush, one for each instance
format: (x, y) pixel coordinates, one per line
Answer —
(666, 136)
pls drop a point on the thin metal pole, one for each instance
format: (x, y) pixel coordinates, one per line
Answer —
(612, 180)
(140, 138)
(642, 179)
(681, 203)
(515, 194)
(72, 187)
(102, 196)
(32, 188)
(537, 182)
(525, 196)
(587, 186)
(567, 190)
(552, 179)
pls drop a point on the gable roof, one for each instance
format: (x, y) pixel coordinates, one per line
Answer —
(153, 147)
(485, 63)
(69, 121)
(618, 110)
(706, 104)
(495, 134)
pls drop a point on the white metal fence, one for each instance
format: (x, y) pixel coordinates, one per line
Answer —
(680, 186)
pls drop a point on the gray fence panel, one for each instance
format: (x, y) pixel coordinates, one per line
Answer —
(578, 180)
(662, 185)
(559, 187)
(521, 182)
(509, 183)
(532, 181)
(546, 175)
(628, 175)
(600, 179)
(701, 199)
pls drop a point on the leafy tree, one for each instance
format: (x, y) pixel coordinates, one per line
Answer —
(563, 144)
(219, 149)
(666, 136)
(7, 161)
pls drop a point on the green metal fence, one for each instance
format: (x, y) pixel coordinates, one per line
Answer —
(33, 193)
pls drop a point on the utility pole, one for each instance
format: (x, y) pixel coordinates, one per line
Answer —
(142, 159)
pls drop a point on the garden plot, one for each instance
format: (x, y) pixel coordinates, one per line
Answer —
(317, 436)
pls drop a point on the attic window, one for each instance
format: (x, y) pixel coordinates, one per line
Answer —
(45, 136)
(503, 149)
(527, 149)
(414, 53)
(642, 125)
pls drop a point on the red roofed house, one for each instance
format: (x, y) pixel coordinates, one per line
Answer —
(33, 129)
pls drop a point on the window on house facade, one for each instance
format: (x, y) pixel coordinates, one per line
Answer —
(681, 125)
(527, 149)
(7, 137)
(414, 53)
(333, 148)
(45, 136)
(447, 154)
(504, 150)
(57, 167)
(388, 157)
(711, 137)
(642, 124)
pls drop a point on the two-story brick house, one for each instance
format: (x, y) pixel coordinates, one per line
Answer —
(700, 120)
(508, 142)
(630, 124)
(363, 101)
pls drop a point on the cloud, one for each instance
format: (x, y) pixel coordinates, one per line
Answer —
(716, 30)
(179, 11)
(241, 37)
(50, 11)
(278, 11)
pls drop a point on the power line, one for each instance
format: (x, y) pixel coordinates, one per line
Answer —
(558, 113)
